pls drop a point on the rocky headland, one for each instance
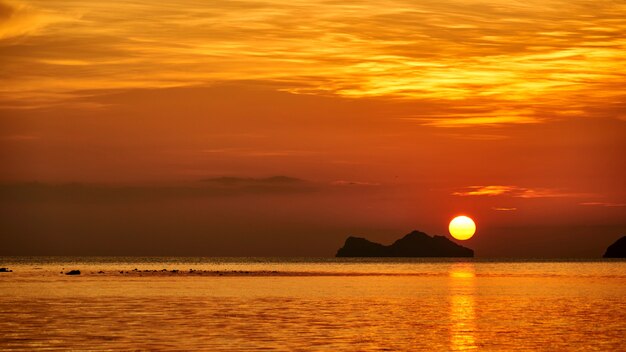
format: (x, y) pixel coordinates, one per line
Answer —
(414, 244)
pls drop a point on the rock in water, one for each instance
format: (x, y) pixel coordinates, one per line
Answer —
(360, 247)
(5, 270)
(415, 244)
(617, 249)
(73, 272)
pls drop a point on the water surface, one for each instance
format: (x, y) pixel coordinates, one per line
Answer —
(220, 304)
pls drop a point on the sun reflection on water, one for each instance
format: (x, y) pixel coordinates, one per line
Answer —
(462, 315)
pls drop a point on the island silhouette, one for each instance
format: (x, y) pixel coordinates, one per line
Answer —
(414, 244)
(617, 249)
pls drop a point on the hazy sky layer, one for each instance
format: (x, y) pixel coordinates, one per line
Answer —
(119, 121)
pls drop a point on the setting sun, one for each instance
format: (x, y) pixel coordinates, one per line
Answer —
(462, 228)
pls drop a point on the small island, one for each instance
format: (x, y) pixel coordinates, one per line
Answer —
(414, 244)
(617, 249)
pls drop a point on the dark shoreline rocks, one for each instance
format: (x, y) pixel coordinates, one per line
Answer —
(617, 249)
(73, 272)
(5, 270)
(414, 244)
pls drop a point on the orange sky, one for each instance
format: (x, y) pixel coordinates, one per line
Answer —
(391, 117)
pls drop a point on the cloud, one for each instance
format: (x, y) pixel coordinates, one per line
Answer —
(18, 19)
(513, 191)
(230, 181)
(451, 121)
(467, 117)
(484, 191)
(476, 136)
(604, 204)
(503, 209)
(354, 183)
(6, 11)
(214, 187)
(522, 63)
(250, 152)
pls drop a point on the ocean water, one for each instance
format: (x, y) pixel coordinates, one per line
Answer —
(249, 304)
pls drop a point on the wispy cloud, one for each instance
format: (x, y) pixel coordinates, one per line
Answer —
(233, 181)
(503, 209)
(454, 119)
(223, 186)
(354, 183)
(476, 136)
(208, 188)
(604, 204)
(513, 191)
(18, 19)
(484, 191)
(521, 62)
(251, 152)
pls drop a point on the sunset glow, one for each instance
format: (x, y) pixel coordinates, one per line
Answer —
(336, 175)
(376, 117)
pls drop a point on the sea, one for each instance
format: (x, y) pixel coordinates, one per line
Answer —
(304, 304)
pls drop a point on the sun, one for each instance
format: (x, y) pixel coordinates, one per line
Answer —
(462, 228)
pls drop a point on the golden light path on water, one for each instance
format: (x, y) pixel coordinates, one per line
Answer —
(462, 302)
(488, 62)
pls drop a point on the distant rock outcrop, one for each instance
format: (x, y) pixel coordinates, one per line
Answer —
(73, 272)
(617, 249)
(5, 270)
(415, 244)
